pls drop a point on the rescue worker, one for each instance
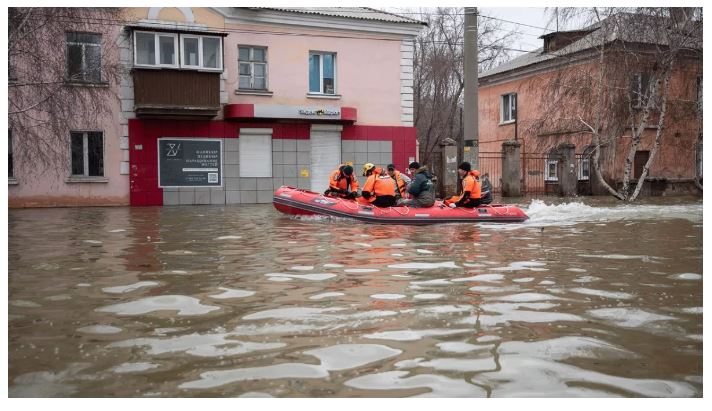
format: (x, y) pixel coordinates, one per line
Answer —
(471, 188)
(342, 182)
(400, 180)
(421, 189)
(378, 189)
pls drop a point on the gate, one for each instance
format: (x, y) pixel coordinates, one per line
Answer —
(534, 174)
(490, 163)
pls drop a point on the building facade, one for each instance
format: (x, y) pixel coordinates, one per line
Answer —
(224, 105)
(516, 98)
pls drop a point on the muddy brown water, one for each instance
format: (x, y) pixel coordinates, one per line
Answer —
(587, 299)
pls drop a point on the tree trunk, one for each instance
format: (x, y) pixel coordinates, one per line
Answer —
(658, 133)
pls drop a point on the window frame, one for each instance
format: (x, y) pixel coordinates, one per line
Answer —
(252, 62)
(512, 118)
(157, 49)
(85, 152)
(641, 96)
(84, 70)
(551, 160)
(200, 66)
(321, 73)
(585, 158)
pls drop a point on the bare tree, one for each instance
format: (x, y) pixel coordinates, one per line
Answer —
(438, 72)
(64, 71)
(627, 87)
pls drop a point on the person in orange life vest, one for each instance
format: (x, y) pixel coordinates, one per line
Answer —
(343, 183)
(401, 181)
(471, 188)
(379, 189)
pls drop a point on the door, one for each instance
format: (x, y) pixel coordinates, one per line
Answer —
(641, 157)
(325, 154)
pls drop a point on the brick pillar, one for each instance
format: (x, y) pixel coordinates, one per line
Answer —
(566, 170)
(511, 169)
(448, 174)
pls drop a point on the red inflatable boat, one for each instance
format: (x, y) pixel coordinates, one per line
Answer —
(296, 201)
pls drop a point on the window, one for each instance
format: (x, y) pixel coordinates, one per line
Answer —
(585, 163)
(699, 93)
(552, 162)
(87, 153)
(253, 67)
(322, 73)
(639, 89)
(201, 52)
(156, 49)
(84, 57)
(11, 173)
(255, 152)
(639, 161)
(508, 108)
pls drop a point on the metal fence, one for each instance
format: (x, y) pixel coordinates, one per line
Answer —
(490, 163)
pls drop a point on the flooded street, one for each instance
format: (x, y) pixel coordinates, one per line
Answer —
(583, 300)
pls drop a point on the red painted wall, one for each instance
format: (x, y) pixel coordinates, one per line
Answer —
(143, 172)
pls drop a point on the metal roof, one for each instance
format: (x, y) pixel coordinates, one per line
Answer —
(361, 13)
(613, 28)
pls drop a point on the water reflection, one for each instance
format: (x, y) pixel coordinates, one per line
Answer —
(242, 301)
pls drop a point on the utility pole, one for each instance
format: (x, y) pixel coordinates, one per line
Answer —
(470, 126)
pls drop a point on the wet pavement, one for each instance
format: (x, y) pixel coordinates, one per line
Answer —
(584, 300)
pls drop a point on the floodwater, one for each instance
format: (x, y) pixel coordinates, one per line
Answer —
(593, 299)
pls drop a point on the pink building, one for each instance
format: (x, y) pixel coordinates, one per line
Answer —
(223, 105)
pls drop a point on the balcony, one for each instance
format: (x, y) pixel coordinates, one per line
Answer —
(178, 94)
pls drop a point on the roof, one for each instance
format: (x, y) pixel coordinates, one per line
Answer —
(360, 13)
(624, 27)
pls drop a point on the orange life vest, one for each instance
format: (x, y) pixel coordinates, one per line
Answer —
(379, 185)
(400, 183)
(340, 181)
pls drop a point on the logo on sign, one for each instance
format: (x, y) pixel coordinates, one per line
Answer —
(173, 149)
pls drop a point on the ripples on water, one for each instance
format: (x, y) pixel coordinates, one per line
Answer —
(243, 301)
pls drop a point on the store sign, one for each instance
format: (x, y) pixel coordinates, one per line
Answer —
(319, 112)
(189, 162)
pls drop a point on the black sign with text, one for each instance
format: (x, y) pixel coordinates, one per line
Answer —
(189, 162)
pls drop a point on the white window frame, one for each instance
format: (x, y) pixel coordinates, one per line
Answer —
(157, 49)
(200, 53)
(509, 108)
(249, 165)
(85, 149)
(585, 158)
(547, 163)
(252, 62)
(321, 73)
(84, 56)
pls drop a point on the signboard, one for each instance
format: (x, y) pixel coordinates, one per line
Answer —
(189, 162)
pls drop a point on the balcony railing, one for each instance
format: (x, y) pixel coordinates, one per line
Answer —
(176, 93)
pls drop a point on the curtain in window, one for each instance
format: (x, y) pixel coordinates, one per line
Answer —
(314, 73)
(328, 74)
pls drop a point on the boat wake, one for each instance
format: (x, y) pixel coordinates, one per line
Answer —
(543, 215)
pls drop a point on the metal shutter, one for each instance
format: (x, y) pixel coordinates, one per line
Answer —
(325, 157)
(255, 152)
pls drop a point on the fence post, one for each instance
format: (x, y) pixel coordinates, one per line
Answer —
(566, 170)
(449, 167)
(511, 169)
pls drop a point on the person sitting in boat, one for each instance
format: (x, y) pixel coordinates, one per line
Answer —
(342, 182)
(421, 189)
(379, 189)
(471, 188)
(400, 181)
(486, 194)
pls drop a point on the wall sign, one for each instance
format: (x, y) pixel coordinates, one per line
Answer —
(189, 162)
